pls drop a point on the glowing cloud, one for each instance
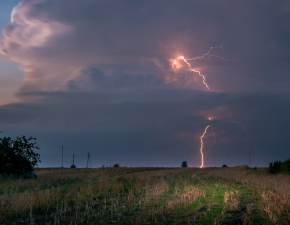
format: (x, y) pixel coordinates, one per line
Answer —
(26, 36)
(26, 32)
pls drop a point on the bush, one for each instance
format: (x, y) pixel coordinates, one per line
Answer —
(286, 165)
(279, 166)
(116, 165)
(18, 156)
(224, 166)
(275, 167)
(73, 166)
(184, 164)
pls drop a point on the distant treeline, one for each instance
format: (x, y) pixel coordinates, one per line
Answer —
(279, 166)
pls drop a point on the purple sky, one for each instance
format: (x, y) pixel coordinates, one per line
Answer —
(95, 75)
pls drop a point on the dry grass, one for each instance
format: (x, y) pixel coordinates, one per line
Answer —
(153, 191)
(259, 179)
(276, 206)
(232, 201)
(273, 190)
(184, 196)
(138, 196)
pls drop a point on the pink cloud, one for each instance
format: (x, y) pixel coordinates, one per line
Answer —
(26, 35)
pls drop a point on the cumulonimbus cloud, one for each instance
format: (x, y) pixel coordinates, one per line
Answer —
(55, 40)
(26, 34)
(26, 31)
(33, 39)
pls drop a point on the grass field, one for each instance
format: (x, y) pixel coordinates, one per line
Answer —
(146, 196)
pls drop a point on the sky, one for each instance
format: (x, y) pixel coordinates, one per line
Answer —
(10, 75)
(107, 77)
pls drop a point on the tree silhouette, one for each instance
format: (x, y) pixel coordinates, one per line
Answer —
(184, 164)
(18, 156)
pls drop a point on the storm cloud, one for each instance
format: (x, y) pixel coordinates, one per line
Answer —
(98, 79)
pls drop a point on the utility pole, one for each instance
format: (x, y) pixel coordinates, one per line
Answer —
(88, 159)
(61, 156)
(73, 166)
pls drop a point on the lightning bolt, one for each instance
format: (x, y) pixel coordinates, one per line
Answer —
(201, 149)
(208, 54)
(181, 61)
(177, 65)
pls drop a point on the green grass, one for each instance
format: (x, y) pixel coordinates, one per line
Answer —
(130, 196)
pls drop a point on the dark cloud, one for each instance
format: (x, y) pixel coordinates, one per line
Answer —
(95, 79)
(160, 127)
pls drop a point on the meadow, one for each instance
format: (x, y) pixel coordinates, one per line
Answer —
(128, 196)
